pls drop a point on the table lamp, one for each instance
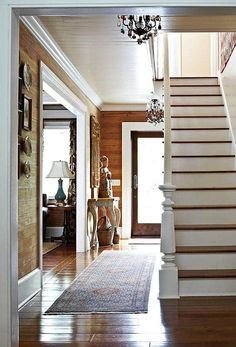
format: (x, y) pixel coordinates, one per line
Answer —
(60, 169)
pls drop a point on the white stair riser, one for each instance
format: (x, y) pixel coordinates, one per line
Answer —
(198, 135)
(196, 90)
(204, 180)
(205, 261)
(205, 197)
(202, 148)
(216, 237)
(203, 163)
(193, 81)
(199, 122)
(196, 100)
(207, 287)
(198, 111)
(207, 216)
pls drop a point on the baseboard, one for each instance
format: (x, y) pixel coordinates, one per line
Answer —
(28, 286)
(207, 287)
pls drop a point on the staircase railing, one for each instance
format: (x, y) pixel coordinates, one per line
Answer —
(168, 274)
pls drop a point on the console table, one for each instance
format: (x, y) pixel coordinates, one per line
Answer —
(112, 204)
(68, 215)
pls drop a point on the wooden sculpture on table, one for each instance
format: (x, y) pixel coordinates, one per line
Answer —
(105, 187)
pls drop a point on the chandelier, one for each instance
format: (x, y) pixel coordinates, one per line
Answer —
(155, 111)
(139, 26)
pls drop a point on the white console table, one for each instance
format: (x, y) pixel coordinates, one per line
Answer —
(112, 204)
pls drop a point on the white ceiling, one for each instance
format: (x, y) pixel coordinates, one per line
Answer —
(116, 67)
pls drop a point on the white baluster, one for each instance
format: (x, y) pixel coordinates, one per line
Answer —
(168, 274)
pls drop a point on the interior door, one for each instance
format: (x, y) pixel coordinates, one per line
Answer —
(147, 175)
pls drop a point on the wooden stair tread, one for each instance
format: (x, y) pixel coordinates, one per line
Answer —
(198, 105)
(183, 141)
(195, 85)
(204, 156)
(199, 117)
(193, 77)
(195, 95)
(207, 188)
(205, 249)
(221, 273)
(202, 207)
(203, 172)
(199, 129)
(204, 226)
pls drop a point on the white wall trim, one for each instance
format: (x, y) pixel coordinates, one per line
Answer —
(42, 35)
(61, 93)
(127, 127)
(226, 107)
(28, 286)
(214, 53)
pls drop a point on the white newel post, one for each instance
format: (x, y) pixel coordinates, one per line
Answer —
(168, 274)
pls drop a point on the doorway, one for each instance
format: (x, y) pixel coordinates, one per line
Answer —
(147, 175)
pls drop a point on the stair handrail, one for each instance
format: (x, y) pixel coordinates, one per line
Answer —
(168, 274)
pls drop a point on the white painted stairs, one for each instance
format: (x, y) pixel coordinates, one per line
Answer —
(203, 164)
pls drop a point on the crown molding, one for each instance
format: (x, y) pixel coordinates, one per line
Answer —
(42, 35)
(123, 107)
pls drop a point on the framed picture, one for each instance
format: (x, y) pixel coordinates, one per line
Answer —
(20, 114)
(27, 113)
(18, 162)
(19, 93)
(94, 153)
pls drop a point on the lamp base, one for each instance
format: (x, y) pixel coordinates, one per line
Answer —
(60, 195)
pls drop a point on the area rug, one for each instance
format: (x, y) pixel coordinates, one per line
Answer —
(117, 281)
(49, 246)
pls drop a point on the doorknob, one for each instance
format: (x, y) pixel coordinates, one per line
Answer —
(135, 182)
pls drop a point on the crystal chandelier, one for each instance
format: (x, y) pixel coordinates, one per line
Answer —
(155, 111)
(139, 26)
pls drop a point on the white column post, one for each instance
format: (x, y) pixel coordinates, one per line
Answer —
(8, 177)
(168, 274)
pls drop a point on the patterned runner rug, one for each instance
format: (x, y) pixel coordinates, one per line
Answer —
(117, 281)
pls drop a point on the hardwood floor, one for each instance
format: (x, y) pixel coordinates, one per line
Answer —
(188, 322)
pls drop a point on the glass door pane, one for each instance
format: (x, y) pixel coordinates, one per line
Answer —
(150, 176)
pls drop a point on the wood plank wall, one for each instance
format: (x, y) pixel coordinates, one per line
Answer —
(32, 52)
(111, 141)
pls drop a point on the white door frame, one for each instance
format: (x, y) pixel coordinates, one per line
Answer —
(9, 60)
(60, 92)
(127, 127)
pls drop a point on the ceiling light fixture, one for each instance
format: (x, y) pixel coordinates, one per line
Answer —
(139, 26)
(155, 110)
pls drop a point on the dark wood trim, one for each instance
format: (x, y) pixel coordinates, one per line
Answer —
(203, 207)
(203, 172)
(193, 78)
(207, 188)
(201, 105)
(141, 229)
(224, 273)
(204, 156)
(187, 129)
(193, 95)
(54, 107)
(205, 249)
(193, 117)
(195, 85)
(205, 226)
(200, 142)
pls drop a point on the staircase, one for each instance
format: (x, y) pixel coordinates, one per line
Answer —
(203, 164)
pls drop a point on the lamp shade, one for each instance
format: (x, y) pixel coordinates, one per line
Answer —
(60, 169)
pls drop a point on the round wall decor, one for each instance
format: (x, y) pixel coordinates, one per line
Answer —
(27, 169)
(27, 147)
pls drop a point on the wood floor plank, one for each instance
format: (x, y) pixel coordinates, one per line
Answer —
(187, 322)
